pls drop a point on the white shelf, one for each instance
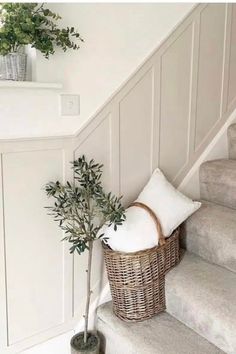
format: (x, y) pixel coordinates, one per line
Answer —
(30, 85)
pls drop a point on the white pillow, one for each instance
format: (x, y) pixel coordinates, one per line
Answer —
(169, 204)
(139, 232)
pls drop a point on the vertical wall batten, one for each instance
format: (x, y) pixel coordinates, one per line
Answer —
(3, 268)
(231, 98)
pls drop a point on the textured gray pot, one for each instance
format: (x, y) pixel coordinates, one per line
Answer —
(95, 348)
(13, 66)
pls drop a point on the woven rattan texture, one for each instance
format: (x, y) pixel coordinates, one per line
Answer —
(137, 280)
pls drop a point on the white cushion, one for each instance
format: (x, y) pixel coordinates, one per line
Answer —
(139, 232)
(169, 204)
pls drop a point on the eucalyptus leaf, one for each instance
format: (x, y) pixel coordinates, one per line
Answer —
(32, 24)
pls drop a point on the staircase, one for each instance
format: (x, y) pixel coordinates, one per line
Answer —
(201, 290)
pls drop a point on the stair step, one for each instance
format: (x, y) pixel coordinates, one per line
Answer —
(218, 182)
(211, 234)
(162, 334)
(232, 141)
(203, 296)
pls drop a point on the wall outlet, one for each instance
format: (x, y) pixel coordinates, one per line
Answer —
(69, 105)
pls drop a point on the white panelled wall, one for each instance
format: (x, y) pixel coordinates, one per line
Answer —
(165, 115)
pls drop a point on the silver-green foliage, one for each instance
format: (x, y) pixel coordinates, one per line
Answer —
(82, 208)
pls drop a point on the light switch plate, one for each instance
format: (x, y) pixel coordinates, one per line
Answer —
(69, 105)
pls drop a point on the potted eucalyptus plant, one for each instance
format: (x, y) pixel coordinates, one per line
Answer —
(31, 24)
(82, 209)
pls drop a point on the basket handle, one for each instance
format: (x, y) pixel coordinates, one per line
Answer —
(154, 218)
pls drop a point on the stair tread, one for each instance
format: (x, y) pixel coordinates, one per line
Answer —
(203, 296)
(162, 334)
(218, 182)
(211, 234)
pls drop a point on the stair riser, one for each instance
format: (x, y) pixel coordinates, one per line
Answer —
(186, 313)
(232, 141)
(211, 233)
(112, 343)
(232, 148)
(223, 194)
(218, 182)
(212, 250)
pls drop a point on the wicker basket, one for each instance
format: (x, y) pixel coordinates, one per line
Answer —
(137, 280)
(172, 251)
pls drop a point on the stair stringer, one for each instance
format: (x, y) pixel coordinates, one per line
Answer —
(217, 149)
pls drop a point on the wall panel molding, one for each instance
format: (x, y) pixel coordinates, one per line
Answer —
(231, 92)
(23, 172)
(210, 70)
(165, 115)
(3, 288)
(97, 145)
(176, 67)
(226, 59)
(156, 102)
(136, 122)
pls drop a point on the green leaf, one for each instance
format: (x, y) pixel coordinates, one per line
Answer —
(32, 23)
(81, 208)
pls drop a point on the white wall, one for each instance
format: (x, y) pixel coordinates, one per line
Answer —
(118, 37)
(57, 345)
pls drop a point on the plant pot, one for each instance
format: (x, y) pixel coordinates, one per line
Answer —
(13, 66)
(92, 347)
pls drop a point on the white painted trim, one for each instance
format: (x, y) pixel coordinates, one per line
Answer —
(30, 85)
(208, 149)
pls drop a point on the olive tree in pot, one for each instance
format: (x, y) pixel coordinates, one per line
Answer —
(31, 24)
(82, 209)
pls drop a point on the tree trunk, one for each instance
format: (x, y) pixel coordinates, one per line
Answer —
(88, 291)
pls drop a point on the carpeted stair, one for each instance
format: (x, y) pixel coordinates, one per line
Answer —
(201, 290)
(203, 296)
(211, 234)
(162, 334)
(218, 182)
